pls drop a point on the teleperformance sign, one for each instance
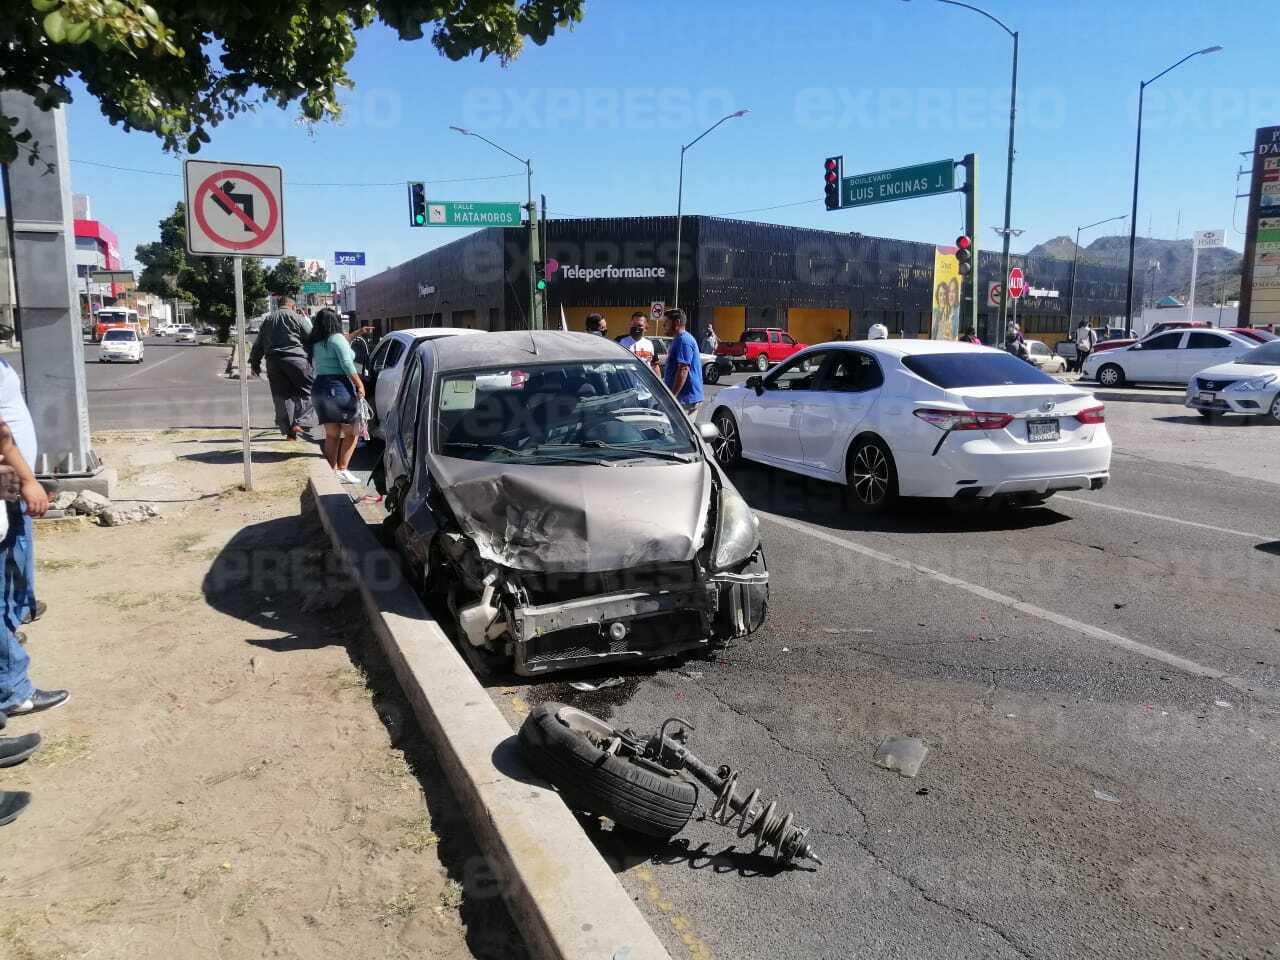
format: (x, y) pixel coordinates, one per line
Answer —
(1260, 280)
(902, 183)
(610, 272)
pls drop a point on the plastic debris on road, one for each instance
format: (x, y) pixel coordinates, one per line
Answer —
(1105, 797)
(582, 686)
(902, 754)
(1222, 703)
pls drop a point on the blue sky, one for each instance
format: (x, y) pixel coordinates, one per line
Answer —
(602, 110)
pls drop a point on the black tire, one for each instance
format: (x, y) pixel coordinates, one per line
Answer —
(1110, 375)
(632, 796)
(728, 446)
(1275, 409)
(762, 363)
(1207, 414)
(710, 373)
(871, 476)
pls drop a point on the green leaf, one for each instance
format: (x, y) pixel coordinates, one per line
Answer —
(55, 26)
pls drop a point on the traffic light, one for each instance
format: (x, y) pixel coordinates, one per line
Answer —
(417, 204)
(964, 255)
(540, 275)
(832, 174)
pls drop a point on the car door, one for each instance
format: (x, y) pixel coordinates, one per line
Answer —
(401, 424)
(387, 376)
(770, 422)
(847, 388)
(1206, 349)
(1154, 360)
(786, 347)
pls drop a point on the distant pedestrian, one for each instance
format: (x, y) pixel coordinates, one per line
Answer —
(878, 331)
(336, 391)
(683, 371)
(970, 336)
(281, 340)
(639, 344)
(597, 325)
(1015, 343)
(1086, 340)
(711, 342)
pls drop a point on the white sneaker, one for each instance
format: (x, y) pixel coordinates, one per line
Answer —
(346, 476)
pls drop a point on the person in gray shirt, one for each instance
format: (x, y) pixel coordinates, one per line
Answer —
(281, 342)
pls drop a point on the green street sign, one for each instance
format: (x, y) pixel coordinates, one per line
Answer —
(316, 286)
(460, 213)
(902, 183)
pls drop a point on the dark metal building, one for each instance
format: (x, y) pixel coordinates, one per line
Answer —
(818, 284)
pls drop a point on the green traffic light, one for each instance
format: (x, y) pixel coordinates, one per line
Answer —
(542, 284)
(419, 219)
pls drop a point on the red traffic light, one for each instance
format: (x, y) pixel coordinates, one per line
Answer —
(831, 164)
(963, 243)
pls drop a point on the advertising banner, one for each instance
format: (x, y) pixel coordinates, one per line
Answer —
(946, 294)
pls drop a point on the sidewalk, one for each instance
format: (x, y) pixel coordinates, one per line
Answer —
(237, 773)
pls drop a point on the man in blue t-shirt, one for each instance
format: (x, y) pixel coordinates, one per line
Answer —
(682, 371)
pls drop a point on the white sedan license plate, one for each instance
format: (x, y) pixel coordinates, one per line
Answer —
(1042, 431)
(1206, 397)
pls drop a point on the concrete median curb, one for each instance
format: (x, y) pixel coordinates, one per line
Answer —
(1138, 396)
(563, 897)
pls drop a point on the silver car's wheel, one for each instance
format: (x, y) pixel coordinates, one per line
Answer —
(872, 476)
(1111, 376)
(728, 446)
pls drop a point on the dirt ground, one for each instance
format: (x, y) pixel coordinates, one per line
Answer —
(236, 773)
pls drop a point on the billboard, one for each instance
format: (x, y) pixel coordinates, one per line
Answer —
(1260, 279)
(947, 294)
(348, 258)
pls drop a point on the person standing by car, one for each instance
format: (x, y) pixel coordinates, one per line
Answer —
(710, 341)
(970, 336)
(639, 344)
(281, 340)
(597, 325)
(1086, 340)
(336, 390)
(683, 371)
(878, 331)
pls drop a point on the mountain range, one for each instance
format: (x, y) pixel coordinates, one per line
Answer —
(1217, 276)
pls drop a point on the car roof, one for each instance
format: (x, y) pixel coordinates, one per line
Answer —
(430, 333)
(522, 346)
(901, 348)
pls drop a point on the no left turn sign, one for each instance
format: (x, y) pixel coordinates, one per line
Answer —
(234, 209)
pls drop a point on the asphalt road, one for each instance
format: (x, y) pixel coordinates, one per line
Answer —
(176, 386)
(1126, 642)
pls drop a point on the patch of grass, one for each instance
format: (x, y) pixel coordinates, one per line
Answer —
(418, 835)
(350, 678)
(50, 565)
(184, 543)
(56, 750)
(128, 601)
(400, 907)
(452, 894)
(396, 769)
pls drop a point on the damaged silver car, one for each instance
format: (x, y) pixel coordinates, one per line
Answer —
(548, 488)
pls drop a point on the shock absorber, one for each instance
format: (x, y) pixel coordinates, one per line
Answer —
(769, 827)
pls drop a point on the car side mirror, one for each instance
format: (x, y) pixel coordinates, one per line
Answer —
(709, 432)
(756, 383)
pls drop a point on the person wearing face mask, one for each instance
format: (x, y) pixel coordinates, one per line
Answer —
(639, 344)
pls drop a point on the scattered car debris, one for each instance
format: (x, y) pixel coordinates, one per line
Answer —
(635, 782)
(582, 686)
(1105, 797)
(117, 516)
(902, 754)
(1226, 704)
(90, 504)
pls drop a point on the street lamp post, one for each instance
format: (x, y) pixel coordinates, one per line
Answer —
(1137, 163)
(537, 317)
(1075, 262)
(680, 196)
(1007, 233)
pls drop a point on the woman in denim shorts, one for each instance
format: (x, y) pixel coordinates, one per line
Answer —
(336, 391)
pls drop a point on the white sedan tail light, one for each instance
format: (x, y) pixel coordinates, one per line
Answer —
(964, 419)
(1096, 414)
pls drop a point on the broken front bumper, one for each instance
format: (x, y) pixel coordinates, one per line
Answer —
(640, 625)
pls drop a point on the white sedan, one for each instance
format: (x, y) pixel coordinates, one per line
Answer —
(1171, 356)
(1249, 385)
(385, 367)
(917, 418)
(1044, 358)
(120, 344)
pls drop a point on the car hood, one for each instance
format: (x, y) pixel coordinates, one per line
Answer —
(573, 518)
(1239, 371)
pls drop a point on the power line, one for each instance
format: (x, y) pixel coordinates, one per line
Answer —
(776, 206)
(303, 183)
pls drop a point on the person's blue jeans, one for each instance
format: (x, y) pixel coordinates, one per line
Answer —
(15, 683)
(20, 597)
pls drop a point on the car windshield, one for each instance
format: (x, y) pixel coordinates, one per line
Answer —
(957, 370)
(598, 412)
(119, 335)
(1267, 355)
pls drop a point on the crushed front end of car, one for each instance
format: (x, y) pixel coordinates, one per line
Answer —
(591, 569)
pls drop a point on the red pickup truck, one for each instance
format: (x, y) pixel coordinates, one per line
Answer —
(760, 347)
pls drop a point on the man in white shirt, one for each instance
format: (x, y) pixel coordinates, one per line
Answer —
(1086, 340)
(639, 344)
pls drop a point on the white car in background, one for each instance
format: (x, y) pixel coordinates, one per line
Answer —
(385, 367)
(120, 345)
(1171, 356)
(1044, 358)
(917, 418)
(1248, 386)
(185, 333)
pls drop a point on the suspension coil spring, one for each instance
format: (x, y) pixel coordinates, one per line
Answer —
(771, 828)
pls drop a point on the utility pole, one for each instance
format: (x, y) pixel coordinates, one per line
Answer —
(971, 230)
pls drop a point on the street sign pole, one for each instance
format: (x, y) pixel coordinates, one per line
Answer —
(243, 347)
(971, 231)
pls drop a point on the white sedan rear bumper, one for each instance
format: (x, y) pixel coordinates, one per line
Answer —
(978, 467)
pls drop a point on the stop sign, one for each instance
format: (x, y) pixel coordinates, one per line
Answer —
(1017, 283)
